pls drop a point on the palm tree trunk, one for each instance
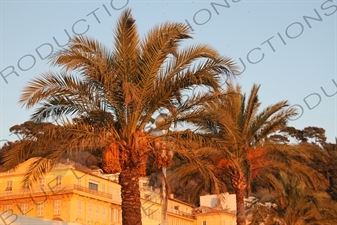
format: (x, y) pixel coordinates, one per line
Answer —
(239, 183)
(240, 206)
(131, 205)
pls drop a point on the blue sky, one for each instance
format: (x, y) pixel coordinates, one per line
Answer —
(289, 47)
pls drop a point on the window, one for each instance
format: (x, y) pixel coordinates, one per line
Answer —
(110, 214)
(9, 185)
(103, 188)
(39, 209)
(93, 186)
(42, 182)
(153, 214)
(57, 207)
(58, 180)
(79, 182)
(116, 215)
(104, 213)
(203, 223)
(150, 213)
(97, 212)
(24, 208)
(158, 214)
(90, 211)
(79, 208)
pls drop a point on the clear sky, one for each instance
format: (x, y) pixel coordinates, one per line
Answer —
(289, 47)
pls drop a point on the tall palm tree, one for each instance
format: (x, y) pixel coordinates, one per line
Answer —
(104, 99)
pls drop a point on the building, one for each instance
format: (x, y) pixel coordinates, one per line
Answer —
(84, 197)
(210, 216)
(226, 201)
(65, 194)
(178, 212)
(216, 209)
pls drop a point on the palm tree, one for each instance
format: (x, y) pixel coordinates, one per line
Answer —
(241, 130)
(238, 131)
(105, 99)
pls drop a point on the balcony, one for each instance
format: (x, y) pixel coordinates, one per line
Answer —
(35, 192)
(91, 191)
(181, 213)
(42, 191)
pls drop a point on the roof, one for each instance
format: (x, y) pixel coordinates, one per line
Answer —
(182, 202)
(64, 164)
(205, 210)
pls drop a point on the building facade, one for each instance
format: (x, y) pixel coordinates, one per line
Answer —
(87, 198)
(211, 216)
(65, 194)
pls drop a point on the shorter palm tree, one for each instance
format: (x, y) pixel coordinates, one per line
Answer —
(240, 131)
(236, 146)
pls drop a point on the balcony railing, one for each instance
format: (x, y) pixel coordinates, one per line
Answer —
(181, 213)
(51, 191)
(91, 191)
(44, 190)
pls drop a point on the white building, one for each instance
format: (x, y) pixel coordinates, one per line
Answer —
(226, 201)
